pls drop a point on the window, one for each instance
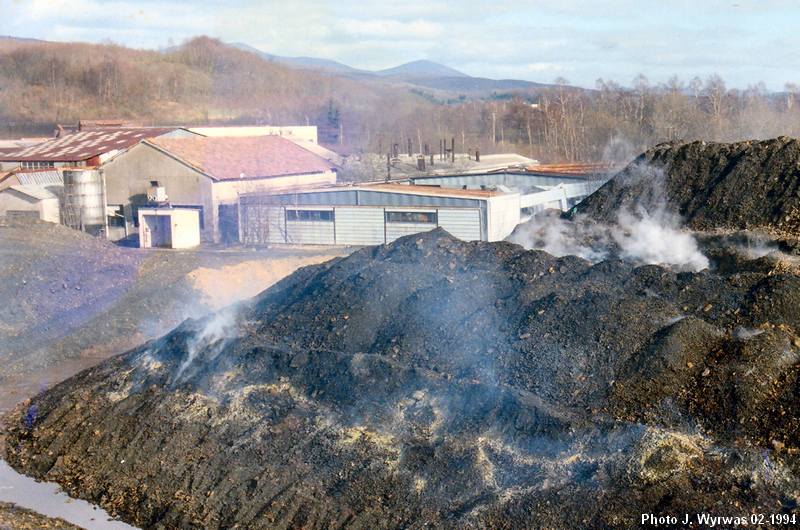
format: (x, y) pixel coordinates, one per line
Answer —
(309, 215)
(30, 164)
(411, 217)
(116, 215)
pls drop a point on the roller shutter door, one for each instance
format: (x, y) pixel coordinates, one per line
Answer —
(359, 226)
(463, 223)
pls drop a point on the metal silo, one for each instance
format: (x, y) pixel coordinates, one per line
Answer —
(84, 207)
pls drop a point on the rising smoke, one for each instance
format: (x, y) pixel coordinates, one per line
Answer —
(211, 337)
(647, 236)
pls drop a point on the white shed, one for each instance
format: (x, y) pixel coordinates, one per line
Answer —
(169, 228)
(32, 201)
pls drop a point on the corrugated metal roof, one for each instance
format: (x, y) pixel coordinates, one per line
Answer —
(41, 177)
(83, 145)
(434, 191)
(37, 192)
(391, 188)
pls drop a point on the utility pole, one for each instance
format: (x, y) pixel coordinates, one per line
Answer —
(388, 167)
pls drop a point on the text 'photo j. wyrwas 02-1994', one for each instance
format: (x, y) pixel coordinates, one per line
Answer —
(336, 265)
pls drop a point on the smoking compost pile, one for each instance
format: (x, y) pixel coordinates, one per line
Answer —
(688, 205)
(435, 382)
(743, 185)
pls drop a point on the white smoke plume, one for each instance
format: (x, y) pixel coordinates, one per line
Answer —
(211, 339)
(653, 236)
(646, 238)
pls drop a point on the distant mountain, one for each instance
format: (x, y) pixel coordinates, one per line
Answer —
(19, 39)
(421, 69)
(422, 73)
(306, 63)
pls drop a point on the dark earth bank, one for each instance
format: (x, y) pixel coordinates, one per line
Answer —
(433, 382)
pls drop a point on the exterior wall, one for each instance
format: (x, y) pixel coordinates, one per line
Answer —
(128, 176)
(184, 225)
(228, 191)
(359, 225)
(502, 216)
(310, 232)
(13, 201)
(306, 133)
(463, 223)
(50, 211)
(352, 225)
(397, 230)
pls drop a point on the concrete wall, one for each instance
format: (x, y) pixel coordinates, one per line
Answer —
(502, 216)
(128, 176)
(14, 201)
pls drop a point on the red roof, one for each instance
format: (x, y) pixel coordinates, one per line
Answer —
(231, 158)
(83, 145)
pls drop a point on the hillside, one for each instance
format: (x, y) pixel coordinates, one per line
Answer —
(200, 81)
(206, 81)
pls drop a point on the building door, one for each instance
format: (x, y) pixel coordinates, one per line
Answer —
(157, 231)
(229, 223)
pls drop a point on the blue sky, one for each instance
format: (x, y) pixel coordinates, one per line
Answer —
(743, 41)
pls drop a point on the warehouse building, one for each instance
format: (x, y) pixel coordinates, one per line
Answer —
(29, 202)
(539, 190)
(377, 213)
(207, 174)
(80, 149)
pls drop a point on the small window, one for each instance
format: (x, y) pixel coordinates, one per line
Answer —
(411, 217)
(154, 183)
(116, 215)
(37, 165)
(309, 215)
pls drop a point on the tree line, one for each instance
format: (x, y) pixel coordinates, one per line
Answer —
(206, 81)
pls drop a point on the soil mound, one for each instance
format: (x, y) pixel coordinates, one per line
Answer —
(742, 185)
(443, 383)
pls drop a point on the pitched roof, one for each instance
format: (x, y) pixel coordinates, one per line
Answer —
(39, 193)
(84, 145)
(437, 191)
(232, 158)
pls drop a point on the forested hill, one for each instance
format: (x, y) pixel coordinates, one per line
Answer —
(199, 81)
(207, 81)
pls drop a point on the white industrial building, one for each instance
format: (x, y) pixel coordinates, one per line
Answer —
(29, 202)
(538, 190)
(376, 213)
(484, 207)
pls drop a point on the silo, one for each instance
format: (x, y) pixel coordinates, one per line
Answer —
(84, 207)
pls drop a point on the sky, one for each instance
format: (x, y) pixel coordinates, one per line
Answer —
(743, 41)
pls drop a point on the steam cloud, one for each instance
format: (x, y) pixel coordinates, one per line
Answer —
(211, 339)
(653, 237)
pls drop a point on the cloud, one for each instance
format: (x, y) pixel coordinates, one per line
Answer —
(527, 39)
(391, 29)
